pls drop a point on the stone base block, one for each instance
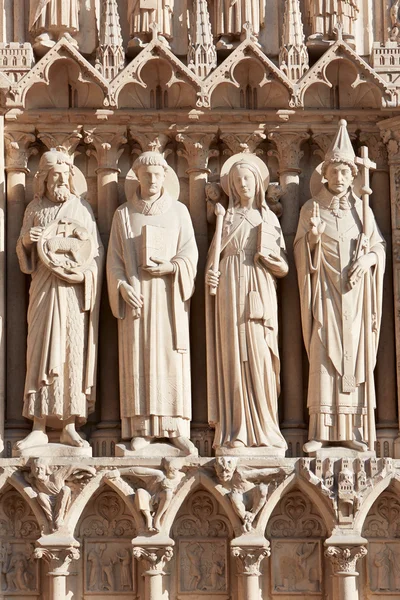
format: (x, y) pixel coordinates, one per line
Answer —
(157, 449)
(338, 452)
(248, 452)
(53, 451)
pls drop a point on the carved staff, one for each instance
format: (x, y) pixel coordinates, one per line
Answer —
(219, 213)
(366, 165)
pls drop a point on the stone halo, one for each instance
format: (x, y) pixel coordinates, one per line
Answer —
(171, 184)
(317, 181)
(249, 157)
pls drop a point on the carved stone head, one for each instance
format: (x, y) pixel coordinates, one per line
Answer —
(225, 468)
(150, 169)
(339, 176)
(55, 175)
(40, 469)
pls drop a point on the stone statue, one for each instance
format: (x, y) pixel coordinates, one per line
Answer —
(231, 15)
(248, 488)
(242, 324)
(50, 20)
(340, 259)
(141, 13)
(326, 14)
(151, 268)
(50, 484)
(63, 303)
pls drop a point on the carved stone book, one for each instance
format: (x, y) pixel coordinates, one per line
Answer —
(267, 241)
(154, 244)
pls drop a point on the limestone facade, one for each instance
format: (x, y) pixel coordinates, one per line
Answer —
(198, 82)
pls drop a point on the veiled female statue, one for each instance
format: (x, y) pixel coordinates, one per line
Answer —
(242, 322)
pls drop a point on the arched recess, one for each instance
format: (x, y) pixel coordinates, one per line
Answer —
(296, 531)
(66, 88)
(348, 89)
(105, 531)
(201, 566)
(250, 86)
(382, 530)
(19, 530)
(160, 90)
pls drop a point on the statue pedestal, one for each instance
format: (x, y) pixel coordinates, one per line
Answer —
(338, 452)
(52, 451)
(249, 452)
(157, 449)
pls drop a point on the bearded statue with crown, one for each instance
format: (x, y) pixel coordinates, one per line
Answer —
(340, 259)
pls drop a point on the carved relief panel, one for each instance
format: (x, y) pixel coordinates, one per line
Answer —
(296, 532)
(202, 534)
(19, 575)
(106, 531)
(382, 529)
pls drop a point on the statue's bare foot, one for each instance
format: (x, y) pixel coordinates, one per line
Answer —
(70, 437)
(237, 444)
(184, 444)
(35, 438)
(354, 445)
(312, 446)
(137, 443)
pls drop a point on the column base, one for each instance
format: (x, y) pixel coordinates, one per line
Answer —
(11, 436)
(295, 438)
(387, 443)
(105, 439)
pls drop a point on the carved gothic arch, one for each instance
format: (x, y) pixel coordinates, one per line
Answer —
(40, 73)
(340, 50)
(294, 482)
(191, 484)
(390, 481)
(25, 491)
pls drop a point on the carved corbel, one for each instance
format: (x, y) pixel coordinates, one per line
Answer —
(67, 138)
(150, 142)
(249, 558)
(242, 142)
(154, 558)
(196, 149)
(106, 142)
(344, 559)
(18, 147)
(287, 149)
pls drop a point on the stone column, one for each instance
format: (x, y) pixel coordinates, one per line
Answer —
(197, 152)
(154, 559)
(293, 403)
(107, 145)
(17, 152)
(19, 21)
(391, 139)
(58, 560)
(344, 560)
(3, 289)
(385, 378)
(248, 561)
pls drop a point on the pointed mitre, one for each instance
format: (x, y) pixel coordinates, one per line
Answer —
(341, 149)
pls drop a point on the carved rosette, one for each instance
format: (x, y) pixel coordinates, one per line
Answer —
(58, 559)
(249, 558)
(344, 560)
(154, 558)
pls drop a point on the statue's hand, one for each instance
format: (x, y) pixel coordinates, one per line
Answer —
(212, 278)
(360, 267)
(32, 236)
(69, 276)
(131, 296)
(317, 226)
(163, 267)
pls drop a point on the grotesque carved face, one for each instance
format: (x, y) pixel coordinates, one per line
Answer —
(225, 468)
(40, 471)
(339, 177)
(57, 183)
(151, 179)
(245, 184)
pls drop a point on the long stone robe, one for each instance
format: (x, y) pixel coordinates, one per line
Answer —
(154, 358)
(141, 14)
(49, 15)
(334, 320)
(324, 15)
(242, 337)
(62, 322)
(229, 18)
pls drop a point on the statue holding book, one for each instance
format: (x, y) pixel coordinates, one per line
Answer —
(340, 259)
(245, 258)
(151, 268)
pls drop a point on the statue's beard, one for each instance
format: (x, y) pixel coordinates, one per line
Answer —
(61, 193)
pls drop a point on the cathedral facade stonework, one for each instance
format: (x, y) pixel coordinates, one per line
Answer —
(199, 299)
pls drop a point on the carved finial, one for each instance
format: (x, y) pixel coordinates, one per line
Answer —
(202, 55)
(293, 56)
(154, 31)
(110, 59)
(338, 31)
(248, 30)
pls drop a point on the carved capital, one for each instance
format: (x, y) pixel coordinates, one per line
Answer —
(287, 149)
(106, 144)
(150, 142)
(344, 560)
(249, 558)
(18, 146)
(243, 142)
(58, 559)
(377, 149)
(196, 149)
(67, 138)
(392, 142)
(155, 558)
